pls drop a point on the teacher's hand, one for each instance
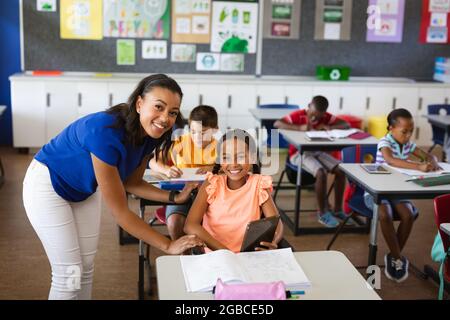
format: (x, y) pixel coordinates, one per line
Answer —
(182, 244)
(184, 195)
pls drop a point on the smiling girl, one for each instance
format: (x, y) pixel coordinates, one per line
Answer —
(229, 200)
(111, 150)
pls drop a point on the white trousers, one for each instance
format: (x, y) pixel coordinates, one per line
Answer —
(69, 232)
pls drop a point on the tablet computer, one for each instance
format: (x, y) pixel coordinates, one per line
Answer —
(375, 168)
(257, 231)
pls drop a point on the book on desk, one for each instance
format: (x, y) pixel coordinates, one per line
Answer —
(202, 271)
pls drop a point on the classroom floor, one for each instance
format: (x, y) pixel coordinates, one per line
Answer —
(25, 271)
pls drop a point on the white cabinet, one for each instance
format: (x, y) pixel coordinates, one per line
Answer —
(241, 99)
(270, 94)
(353, 101)
(91, 97)
(299, 95)
(28, 113)
(428, 96)
(383, 100)
(118, 92)
(61, 107)
(190, 98)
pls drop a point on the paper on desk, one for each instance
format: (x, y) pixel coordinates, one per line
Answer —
(410, 172)
(189, 174)
(333, 134)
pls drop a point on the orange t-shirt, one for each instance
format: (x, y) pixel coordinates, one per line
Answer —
(230, 211)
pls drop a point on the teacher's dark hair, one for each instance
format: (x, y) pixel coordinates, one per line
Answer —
(128, 117)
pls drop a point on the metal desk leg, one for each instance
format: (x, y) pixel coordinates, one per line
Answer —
(298, 194)
(141, 260)
(373, 237)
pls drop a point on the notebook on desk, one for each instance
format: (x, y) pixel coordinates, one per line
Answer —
(433, 181)
(202, 271)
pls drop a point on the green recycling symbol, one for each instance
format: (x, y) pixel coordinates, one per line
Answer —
(335, 74)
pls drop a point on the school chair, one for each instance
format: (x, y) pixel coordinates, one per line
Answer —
(438, 133)
(442, 215)
(268, 124)
(307, 182)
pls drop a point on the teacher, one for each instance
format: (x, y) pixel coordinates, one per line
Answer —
(111, 150)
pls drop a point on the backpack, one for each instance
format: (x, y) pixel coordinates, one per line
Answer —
(438, 254)
(350, 189)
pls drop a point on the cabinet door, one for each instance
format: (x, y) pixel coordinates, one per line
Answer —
(118, 92)
(300, 95)
(215, 95)
(423, 133)
(407, 98)
(61, 107)
(332, 93)
(353, 101)
(92, 97)
(428, 96)
(381, 101)
(268, 94)
(191, 98)
(28, 113)
(241, 98)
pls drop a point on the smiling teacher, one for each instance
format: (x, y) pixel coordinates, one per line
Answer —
(110, 150)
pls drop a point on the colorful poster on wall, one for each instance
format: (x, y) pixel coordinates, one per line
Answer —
(46, 5)
(183, 53)
(232, 62)
(282, 19)
(434, 26)
(136, 19)
(154, 49)
(333, 19)
(126, 52)
(385, 20)
(208, 61)
(81, 19)
(234, 27)
(191, 21)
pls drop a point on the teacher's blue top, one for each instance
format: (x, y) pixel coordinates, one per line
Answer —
(68, 155)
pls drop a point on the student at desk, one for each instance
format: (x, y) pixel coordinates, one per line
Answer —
(227, 201)
(396, 149)
(196, 149)
(109, 149)
(319, 163)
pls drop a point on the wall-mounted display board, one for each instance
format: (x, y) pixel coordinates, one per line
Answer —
(408, 58)
(140, 21)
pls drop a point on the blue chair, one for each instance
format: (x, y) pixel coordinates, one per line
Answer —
(269, 123)
(438, 133)
(356, 203)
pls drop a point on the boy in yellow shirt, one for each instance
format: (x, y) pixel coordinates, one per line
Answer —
(196, 149)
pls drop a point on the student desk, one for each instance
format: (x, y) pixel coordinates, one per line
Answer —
(2, 170)
(387, 187)
(299, 140)
(268, 114)
(341, 282)
(446, 228)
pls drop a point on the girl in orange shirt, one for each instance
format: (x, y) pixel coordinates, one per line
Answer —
(229, 200)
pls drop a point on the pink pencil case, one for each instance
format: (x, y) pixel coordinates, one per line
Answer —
(253, 291)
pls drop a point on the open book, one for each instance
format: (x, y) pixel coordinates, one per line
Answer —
(202, 271)
(189, 174)
(330, 134)
(410, 172)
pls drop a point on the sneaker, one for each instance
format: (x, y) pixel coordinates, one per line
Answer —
(396, 269)
(389, 270)
(402, 269)
(342, 216)
(328, 220)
